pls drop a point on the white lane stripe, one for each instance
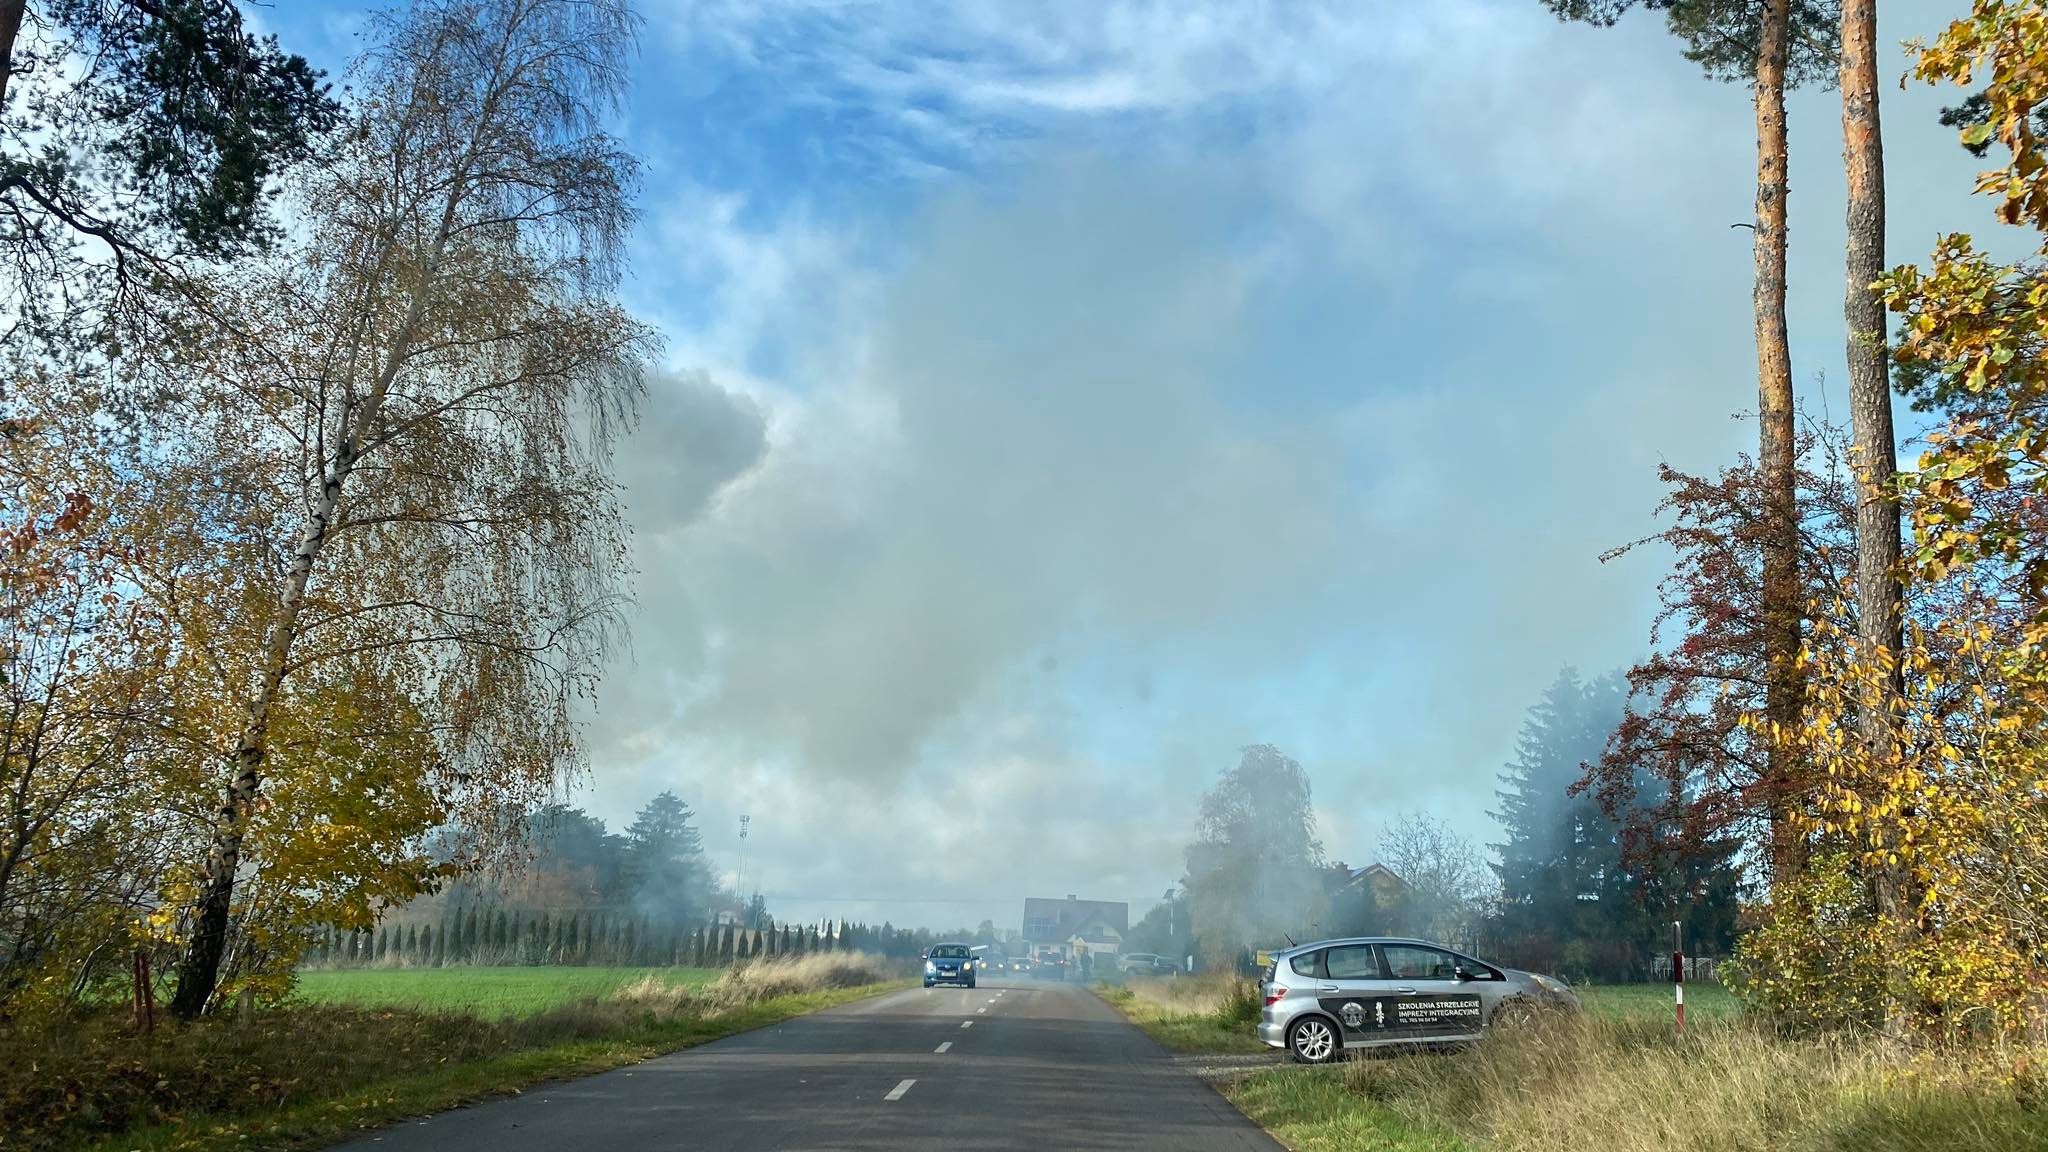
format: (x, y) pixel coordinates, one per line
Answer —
(897, 1092)
(967, 1023)
(943, 1047)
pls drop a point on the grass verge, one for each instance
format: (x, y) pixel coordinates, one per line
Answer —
(1595, 1083)
(1191, 1014)
(1318, 1110)
(218, 1083)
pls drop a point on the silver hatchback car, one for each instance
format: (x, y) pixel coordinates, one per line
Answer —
(1373, 992)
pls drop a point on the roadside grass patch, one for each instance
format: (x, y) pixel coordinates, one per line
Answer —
(1320, 1110)
(1208, 1014)
(306, 1074)
(1595, 1083)
(492, 993)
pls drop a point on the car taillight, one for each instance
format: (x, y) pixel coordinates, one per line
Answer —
(1275, 996)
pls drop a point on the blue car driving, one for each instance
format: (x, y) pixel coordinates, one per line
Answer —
(949, 964)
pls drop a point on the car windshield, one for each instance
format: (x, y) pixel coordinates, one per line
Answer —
(950, 952)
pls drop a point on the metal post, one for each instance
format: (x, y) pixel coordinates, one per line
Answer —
(1678, 971)
(739, 879)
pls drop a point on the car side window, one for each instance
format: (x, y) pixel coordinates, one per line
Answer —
(1409, 962)
(1352, 962)
(1308, 964)
(1478, 970)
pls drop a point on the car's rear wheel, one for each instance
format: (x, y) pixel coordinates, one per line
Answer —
(1515, 1013)
(1312, 1040)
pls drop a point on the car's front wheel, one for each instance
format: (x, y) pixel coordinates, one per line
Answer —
(1312, 1040)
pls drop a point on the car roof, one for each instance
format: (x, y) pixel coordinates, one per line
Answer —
(1315, 944)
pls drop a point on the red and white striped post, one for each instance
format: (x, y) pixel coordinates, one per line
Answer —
(1678, 971)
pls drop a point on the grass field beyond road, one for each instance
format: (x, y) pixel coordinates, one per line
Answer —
(490, 993)
(1653, 1002)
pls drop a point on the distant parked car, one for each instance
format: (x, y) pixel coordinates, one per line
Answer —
(1050, 968)
(949, 964)
(1148, 964)
(1324, 997)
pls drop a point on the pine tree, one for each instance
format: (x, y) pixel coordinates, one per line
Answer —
(1571, 899)
(663, 866)
(469, 939)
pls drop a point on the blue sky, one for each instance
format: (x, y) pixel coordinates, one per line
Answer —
(1060, 396)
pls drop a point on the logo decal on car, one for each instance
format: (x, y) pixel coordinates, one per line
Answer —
(1354, 1014)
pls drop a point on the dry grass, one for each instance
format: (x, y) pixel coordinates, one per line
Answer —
(1591, 1083)
(1211, 1013)
(1207, 994)
(756, 982)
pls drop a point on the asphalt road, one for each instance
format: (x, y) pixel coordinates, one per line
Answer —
(1009, 1065)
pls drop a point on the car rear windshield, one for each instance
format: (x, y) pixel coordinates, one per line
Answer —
(950, 952)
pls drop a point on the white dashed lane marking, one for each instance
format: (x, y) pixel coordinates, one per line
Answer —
(943, 1047)
(897, 1092)
(967, 1023)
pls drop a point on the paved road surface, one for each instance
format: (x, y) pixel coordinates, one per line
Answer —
(1009, 1065)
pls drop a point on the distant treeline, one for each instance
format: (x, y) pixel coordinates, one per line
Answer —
(498, 937)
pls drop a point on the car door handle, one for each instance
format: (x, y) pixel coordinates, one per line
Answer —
(1409, 991)
(1328, 988)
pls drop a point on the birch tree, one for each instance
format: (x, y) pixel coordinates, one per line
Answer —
(402, 426)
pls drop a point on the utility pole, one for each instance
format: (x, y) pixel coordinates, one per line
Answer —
(739, 882)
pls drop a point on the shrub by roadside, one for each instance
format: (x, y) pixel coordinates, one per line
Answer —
(215, 1083)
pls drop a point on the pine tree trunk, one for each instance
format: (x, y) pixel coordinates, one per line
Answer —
(1782, 607)
(1880, 598)
(11, 13)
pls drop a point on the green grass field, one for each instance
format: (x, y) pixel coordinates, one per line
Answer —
(1654, 1001)
(491, 993)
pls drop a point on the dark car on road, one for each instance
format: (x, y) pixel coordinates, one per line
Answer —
(1324, 997)
(1049, 968)
(949, 964)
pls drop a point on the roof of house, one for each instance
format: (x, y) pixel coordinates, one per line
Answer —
(1047, 919)
(1376, 873)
